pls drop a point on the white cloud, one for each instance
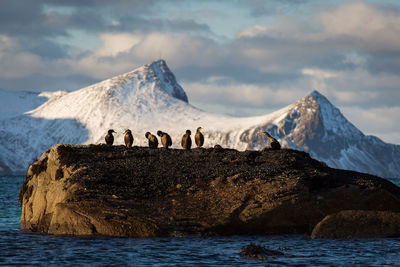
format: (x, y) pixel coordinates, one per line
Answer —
(120, 53)
(254, 31)
(242, 95)
(115, 43)
(318, 77)
(15, 62)
(355, 59)
(362, 88)
(363, 23)
(376, 121)
(318, 73)
(351, 97)
(178, 49)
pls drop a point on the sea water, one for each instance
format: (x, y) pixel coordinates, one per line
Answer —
(32, 249)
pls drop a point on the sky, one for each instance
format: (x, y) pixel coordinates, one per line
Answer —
(237, 57)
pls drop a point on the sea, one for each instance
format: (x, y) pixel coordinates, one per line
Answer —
(18, 248)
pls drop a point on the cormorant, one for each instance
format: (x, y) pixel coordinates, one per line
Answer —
(274, 143)
(153, 141)
(109, 137)
(166, 140)
(199, 137)
(128, 138)
(186, 140)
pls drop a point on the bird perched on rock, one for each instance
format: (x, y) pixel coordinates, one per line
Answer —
(166, 140)
(153, 141)
(186, 140)
(217, 148)
(128, 138)
(274, 143)
(199, 137)
(109, 137)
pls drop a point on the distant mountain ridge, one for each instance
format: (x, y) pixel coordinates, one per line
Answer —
(150, 99)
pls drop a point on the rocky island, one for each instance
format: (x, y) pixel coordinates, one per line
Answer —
(143, 192)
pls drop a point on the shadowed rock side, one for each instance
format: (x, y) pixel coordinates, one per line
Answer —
(142, 192)
(358, 224)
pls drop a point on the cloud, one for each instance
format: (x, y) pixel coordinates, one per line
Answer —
(319, 77)
(219, 94)
(114, 44)
(376, 121)
(367, 26)
(51, 18)
(350, 97)
(363, 89)
(122, 52)
(318, 73)
(363, 27)
(283, 53)
(15, 63)
(262, 8)
(290, 52)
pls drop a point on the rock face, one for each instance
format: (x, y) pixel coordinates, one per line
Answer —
(258, 252)
(143, 192)
(358, 224)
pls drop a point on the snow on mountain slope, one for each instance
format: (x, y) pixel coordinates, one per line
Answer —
(141, 100)
(16, 103)
(150, 99)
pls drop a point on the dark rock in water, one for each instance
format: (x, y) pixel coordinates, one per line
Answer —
(142, 192)
(358, 224)
(258, 252)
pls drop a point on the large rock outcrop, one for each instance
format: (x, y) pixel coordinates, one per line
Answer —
(142, 192)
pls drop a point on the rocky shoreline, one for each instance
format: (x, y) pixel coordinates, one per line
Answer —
(143, 192)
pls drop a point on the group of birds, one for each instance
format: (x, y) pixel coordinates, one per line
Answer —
(166, 140)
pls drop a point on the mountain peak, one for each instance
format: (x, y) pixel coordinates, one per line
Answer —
(159, 62)
(322, 101)
(165, 79)
(315, 93)
(319, 97)
(329, 115)
(146, 81)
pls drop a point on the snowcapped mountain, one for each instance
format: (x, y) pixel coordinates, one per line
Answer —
(150, 99)
(316, 126)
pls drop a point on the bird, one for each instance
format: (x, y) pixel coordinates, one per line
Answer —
(128, 138)
(199, 137)
(109, 137)
(275, 145)
(166, 140)
(186, 140)
(153, 141)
